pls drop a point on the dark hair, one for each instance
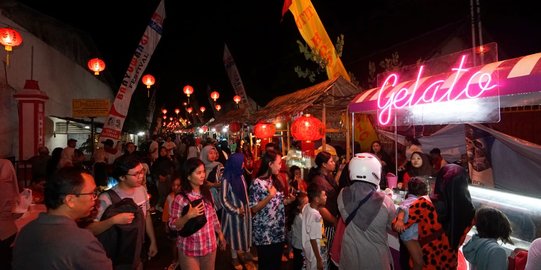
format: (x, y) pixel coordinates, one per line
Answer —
(425, 169)
(412, 140)
(268, 157)
(188, 168)
(435, 151)
(417, 186)
(322, 157)
(293, 210)
(493, 223)
(372, 146)
(292, 170)
(67, 180)
(123, 164)
(313, 191)
(268, 145)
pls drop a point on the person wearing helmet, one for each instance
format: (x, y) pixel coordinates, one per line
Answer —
(364, 244)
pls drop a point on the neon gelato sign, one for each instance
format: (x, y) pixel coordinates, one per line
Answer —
(433, 93)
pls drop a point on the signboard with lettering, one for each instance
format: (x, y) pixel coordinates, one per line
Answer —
(90, 107)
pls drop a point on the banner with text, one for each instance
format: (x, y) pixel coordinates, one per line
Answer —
(313, 32)
(117, 115)
(234, 77)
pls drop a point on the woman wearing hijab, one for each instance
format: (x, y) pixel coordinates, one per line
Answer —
(236, 216)
(213, 170)
(364, 243)
(444, 219)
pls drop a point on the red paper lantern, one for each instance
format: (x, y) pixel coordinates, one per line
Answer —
(218, 107)
(215, 95)
(202, 109)
(264, 130)
(97, 65)
(10, 38)
(189, 109)
(164, 111)
(148, 80)
(307, 128)
(188, 90)
(204, 128)
(234, 127)
(237, 99)
(177, 110)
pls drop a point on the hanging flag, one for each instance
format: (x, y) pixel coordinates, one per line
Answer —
(313, 32)
(285, 7)
(151, 110)
(234, 77)
(117, 114)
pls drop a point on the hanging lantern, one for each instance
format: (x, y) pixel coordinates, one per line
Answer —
(9, 38)
(234, 127)
(164, 117)
(189, 109)
(264, 130)
(188, 90)
(237, 99)
(202, 109)
(218, 107)
(177, 110)
(307, 128)
(184, 103)
(97, 65)
(148, 80)
(164, 111)
(214, 95)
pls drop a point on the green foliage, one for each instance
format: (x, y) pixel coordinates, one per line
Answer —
(315, 57)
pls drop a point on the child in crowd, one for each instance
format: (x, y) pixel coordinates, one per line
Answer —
(409, 237)
(175, 188)
(314, 243)
(483, 251)
(294, 225)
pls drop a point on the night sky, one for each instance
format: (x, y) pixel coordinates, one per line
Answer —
(264, 45)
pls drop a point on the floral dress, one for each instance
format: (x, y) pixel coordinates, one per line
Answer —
(269, 223)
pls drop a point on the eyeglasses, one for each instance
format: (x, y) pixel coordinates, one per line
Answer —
(139, 173)
(94, 194)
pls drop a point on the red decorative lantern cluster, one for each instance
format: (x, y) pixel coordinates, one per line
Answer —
(9, 38)
(214, 95)
(307, 128)
(97, 65)
(234, 127)
(264, 130)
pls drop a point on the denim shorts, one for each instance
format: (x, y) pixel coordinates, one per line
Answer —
(411, 233)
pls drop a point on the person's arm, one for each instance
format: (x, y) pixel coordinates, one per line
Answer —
(256, 208)
(98, 227)
(398, 224)
(149, 228)
(327, 216)
(315, 249)
(227, 204)
(94, 256)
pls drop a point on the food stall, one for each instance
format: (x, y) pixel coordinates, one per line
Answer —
(463, 97)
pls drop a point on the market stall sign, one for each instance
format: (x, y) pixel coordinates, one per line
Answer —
(90, 107)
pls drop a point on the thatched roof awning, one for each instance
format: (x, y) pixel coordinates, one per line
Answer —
(336, 93)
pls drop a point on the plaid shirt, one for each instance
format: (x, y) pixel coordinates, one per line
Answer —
(203, 241)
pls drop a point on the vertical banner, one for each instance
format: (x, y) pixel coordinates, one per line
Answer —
(478, 148)
(151, 110)
(365, 133)
(313, 32)
(117, 115)
(236, 82)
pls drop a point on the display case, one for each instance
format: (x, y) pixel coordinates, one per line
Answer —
(523, 212)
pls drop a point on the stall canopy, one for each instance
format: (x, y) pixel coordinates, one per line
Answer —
(517, 79)
(335, 92)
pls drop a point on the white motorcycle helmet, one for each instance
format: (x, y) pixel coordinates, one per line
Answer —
(365, 167)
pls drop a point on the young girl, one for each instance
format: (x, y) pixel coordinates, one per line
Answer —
(294, 225)
(175, 188)
(197, 251)
(483, 251)
(409, 237)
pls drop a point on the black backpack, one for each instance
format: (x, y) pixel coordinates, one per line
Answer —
(123, 243)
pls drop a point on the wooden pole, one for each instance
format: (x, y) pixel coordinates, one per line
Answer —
(324, 120)
(348, 136)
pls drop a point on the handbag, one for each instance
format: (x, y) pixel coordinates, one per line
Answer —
(194, 224)
(336, 247)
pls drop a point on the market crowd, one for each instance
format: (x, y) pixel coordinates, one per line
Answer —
(212, 195)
